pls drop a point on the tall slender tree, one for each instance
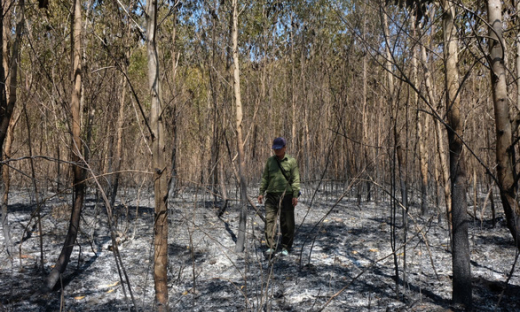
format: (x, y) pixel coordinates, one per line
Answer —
(75, 146)
(462, 290)
(239, 128)
(504, 148)
(8, 98)
(159, 165)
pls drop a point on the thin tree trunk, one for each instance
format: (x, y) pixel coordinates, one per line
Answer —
(443, 162)
(215, 91)
(175, 58)
(475, 192)
(462, 290)
(364, 117)
(8, 100)
(118, 157)
(490, 183)
(6, 182)
(240, 142)
(504, 149)
(159, 165)
(173, 174)
(223, 188)
(396, 156)
(518, 57)
(78, 171)
(437, 182)
(293, 84)
(422, 131)
(6, 25)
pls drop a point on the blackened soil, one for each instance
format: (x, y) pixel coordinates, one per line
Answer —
(342, 259)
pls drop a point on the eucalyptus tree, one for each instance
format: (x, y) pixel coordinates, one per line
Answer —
(397, 153)
(422, 125)
(507, 182)
(441, 166)
(462, 290)
(8, 96)
(76, 154)
(119, 46)
(216, 66)
(517, 61)
(160, 168)
(239, 129)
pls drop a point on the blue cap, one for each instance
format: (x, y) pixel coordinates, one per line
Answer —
(279, 143)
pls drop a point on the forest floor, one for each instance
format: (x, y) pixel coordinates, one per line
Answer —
(342, 259)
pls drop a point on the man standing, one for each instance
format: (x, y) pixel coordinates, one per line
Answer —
(281, 183)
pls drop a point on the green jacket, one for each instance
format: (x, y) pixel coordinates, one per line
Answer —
(273, 180)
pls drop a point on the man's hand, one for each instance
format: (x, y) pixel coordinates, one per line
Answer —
(295, 201)
(260, 198)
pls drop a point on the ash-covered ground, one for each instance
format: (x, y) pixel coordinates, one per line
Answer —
(342, 258)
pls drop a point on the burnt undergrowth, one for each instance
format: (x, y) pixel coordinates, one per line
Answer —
(341, 259)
